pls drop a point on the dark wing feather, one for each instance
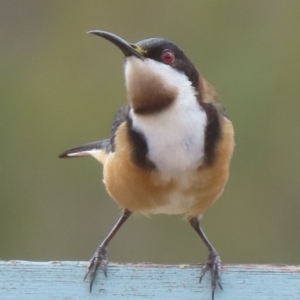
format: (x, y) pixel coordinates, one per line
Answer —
(104, 144)
(120, 117)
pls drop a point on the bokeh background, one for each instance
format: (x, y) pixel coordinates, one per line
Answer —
(60, 87)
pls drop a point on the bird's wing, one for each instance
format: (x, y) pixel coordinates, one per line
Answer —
(100, 149)
(120, 117)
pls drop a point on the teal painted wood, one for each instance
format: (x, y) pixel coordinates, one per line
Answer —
(25, 280)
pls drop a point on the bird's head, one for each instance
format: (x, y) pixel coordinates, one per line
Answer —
(157, 72)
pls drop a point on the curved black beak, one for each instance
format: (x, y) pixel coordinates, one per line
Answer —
(126, 48)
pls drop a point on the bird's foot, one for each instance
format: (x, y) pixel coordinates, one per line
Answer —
(214, 264)
(98, 260)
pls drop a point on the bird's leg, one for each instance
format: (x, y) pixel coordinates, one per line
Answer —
(100, 256)
(214, 261)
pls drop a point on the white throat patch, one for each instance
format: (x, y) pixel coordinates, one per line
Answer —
(176, 135)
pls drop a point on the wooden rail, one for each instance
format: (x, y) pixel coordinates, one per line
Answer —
(24, 280)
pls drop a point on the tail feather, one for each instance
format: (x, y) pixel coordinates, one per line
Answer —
(98, 149)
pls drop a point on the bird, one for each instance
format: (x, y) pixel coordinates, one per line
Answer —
(170, 145)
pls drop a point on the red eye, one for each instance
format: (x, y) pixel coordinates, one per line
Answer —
(168, 56)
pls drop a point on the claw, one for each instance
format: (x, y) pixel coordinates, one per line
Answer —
(86, 274)
(203, 271)
(91, 284)
(104, 270)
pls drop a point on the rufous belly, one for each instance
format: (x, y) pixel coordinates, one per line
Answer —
(146, 192)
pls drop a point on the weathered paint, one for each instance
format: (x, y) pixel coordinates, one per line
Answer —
(64, 280)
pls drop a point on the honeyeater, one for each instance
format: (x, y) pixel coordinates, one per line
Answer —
(170, 145)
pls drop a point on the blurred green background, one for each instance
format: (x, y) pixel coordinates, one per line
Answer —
(60, 87)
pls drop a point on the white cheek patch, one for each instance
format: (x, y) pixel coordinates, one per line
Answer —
(138, 71)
